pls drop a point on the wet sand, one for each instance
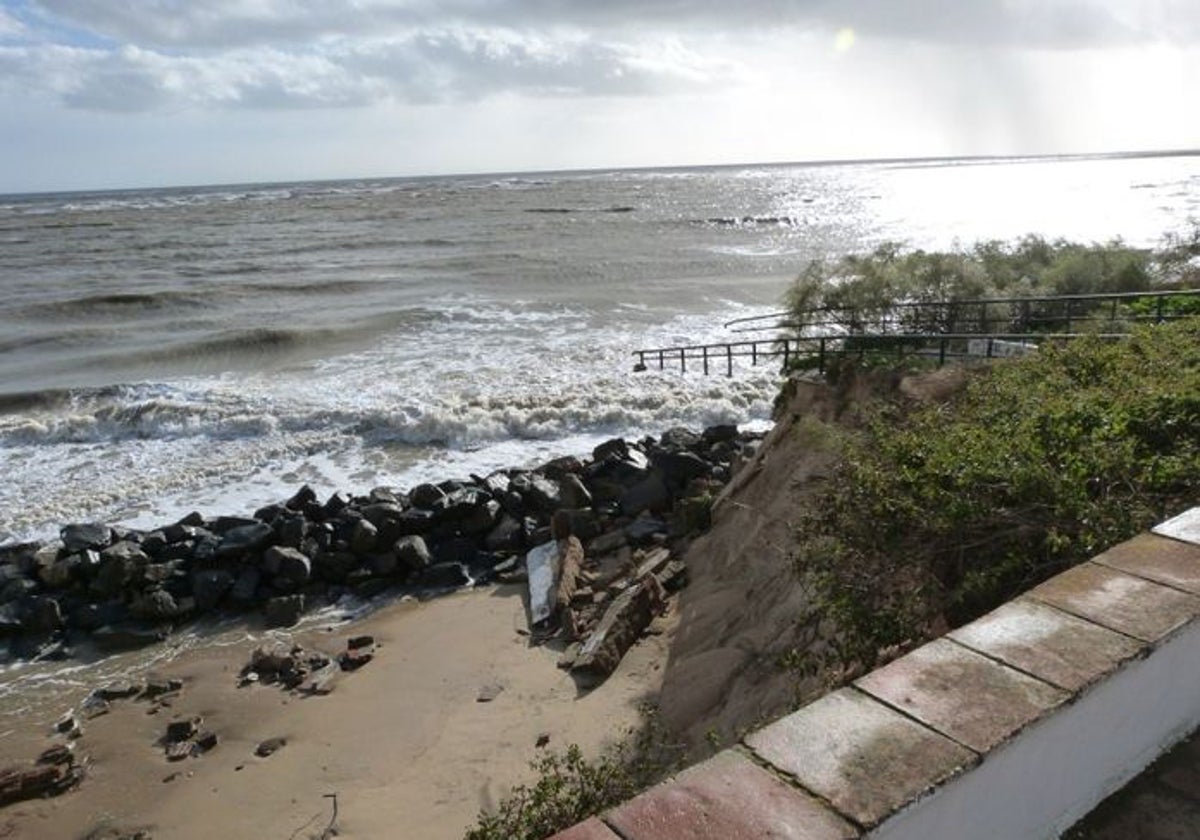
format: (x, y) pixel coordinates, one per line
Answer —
(404, 742)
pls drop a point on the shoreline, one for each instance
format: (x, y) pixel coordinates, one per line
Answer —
(458, 694)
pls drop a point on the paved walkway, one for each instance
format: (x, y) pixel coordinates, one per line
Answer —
(1161, 804)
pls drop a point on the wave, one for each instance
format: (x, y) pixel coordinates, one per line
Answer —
(109, 304)
(752, 221)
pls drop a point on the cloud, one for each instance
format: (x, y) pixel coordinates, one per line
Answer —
(425, 67)
(217, 24)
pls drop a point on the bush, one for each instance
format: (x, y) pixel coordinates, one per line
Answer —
(946, 511)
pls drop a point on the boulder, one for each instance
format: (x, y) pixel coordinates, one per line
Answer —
(304, 496)
(574, 493)
(245, 539)
(79, 536)
(415, 521)
(721, 433)
(283, 611)
(644, 528)
(481, 518)
(384, 565)
(210, 586)
(442, 575)
(223, 525)
(128, 634)
(245, 587)
(155, 605)
(680, 438)
(614, 448)
(337, 503)
(61, 573)
(362, 537)
(412, 553)
(290, 564)
(649, 494)
(334, 566)
(10, 619)
(92, 616)
(16, 589)
(290, 530)
(542, 494)
(506, 535)
(43, 615)
(678, 468)
(425, 495)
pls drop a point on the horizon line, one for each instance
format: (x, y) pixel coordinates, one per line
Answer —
(585, 170)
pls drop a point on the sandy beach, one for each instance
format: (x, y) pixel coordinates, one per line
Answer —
(404, 742)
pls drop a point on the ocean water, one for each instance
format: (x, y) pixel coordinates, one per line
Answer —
(213, 348)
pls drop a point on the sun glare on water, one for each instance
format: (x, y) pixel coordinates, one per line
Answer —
(844, 40)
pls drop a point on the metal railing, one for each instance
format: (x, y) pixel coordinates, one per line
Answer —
(828, 333)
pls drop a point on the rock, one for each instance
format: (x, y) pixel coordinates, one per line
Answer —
(678, 468)
(680, 438)
(283, 611)
(245, 539)
(58, 754)
(61, 573)
(426, 495)
(43, 615)
(335, 566)
(177, 750)
(384, 565)
(413, 554)
(607, 543)
(464, 550)
(481, 518)
(269, 746)
(154, 542)
(223, 525)
(383, 515)
(496, 484)
(574, 493)
(721, 433)
(91, 616)
(643, 528)
(649, 494)
(245, 587)
(157, 688)
(128, 634)
(614, 448)
(507, 535)
(269, 513)
(154, 604)
(356, 642)
(194, 519)
(18, 784)
(290, 530)
(290, 568)
(209, 587)
(540, 493)
(415, 522)
(16, 589)
(182, 730)
(116, 571)
(336, 503)
(352, 660)
(205, 741)
(80, 536)
(621, 625)
(362, 537)
(489, 692)
(11, 616)
(304, 496)
(441, 575)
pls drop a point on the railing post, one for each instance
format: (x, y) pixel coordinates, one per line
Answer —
(786, 355)
(1158, 309)
(729, 360)
(753, 354)
(682, 360)
(1068, 327)
(662, 362)
(941, 352)
(705, 351)
(821, 356)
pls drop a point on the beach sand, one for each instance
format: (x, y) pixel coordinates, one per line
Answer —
(404, 742)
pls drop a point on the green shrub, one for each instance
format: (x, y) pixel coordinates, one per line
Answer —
(946, 511)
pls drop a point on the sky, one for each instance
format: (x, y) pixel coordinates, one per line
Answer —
(98, 94)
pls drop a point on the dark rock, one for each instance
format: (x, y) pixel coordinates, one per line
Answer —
(481, 518)
(441, 575)
(210, 586)
(415, 521)
(291, 530)
(58, 754)
(180, 532)
(680, 438)
(269, 746)
(356, 642)
(16, 589)
(155, 605)
(113, 575)
(61, 573)
(182, 730)
(336, 503)
(128, 634)
(513, 503)
(205, 741)
(543, 495)
(117, 691)
(283, 611)
(334, 566)
(79, 536)
(19, 554)
(385, 565)
(614, 448)
(43, 615)
(496, 483)
(269, 513)
(154, 542)
(574, 493)
(507, 535)
(678, 468)
(649, 494)
(559, 468)
(720, 433)
(91, 616)
(245, 539)
(456, 550)
(130, 552)
(426, 495)
(381, 514)
(19, 783)
(246, 585)
(182, 550)
(224, 525)
(412, 553)
(304, 496)
(10, 619)
(159, 573)
(354, 658)
(157, 688)
(384, 495)
(644, 528)
(291, 569)
(362, 537)
(193, 519)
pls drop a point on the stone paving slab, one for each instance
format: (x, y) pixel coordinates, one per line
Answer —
(1185, 526)
(727, 797)
(866, 759)
(1163, 560)
(1121, 602)
(1052, 645)
(962, 694)
(589, 829)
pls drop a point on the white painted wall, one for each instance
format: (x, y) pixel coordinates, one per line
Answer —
(1056, 771)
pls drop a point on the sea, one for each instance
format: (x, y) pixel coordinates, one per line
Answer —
(214, 348)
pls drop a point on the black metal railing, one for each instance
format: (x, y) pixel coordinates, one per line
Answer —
(941, 331)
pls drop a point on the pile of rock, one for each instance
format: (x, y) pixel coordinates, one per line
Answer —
(125, 587)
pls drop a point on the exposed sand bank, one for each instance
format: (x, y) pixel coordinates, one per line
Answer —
(403, 742)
